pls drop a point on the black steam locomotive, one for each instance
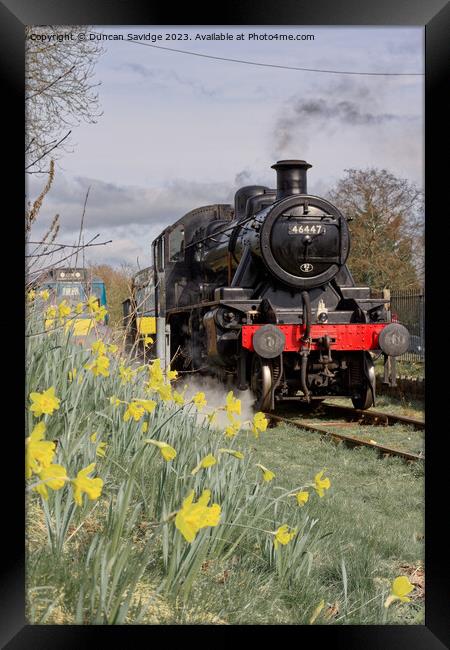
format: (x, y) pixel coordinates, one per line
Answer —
(260, 291)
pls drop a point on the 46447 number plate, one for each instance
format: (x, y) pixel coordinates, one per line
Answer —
(306, 229)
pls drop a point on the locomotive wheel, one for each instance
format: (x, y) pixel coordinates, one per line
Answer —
(365, 400)
(261, 382)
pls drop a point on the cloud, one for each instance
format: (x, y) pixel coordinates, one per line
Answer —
(167, 78)
(111, 205)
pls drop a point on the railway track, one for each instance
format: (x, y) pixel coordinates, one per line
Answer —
(377, 418)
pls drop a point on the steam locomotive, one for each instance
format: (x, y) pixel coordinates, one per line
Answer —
(260, 292)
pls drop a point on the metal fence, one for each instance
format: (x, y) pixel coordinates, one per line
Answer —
(408, 307)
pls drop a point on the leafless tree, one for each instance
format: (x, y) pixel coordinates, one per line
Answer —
(60, 90)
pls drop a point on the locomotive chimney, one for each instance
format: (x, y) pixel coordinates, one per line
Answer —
(291, 177)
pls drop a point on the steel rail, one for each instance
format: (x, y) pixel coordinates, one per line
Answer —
(348, 440)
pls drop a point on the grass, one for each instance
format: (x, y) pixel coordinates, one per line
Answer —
(374, 512)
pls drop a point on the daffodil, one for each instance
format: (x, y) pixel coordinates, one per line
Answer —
(92, 304)
(233, 405)
(101, 449)
(172, 374)
(45, 294)
(51, 312)
(401, 586)
(156, 374)
(64, 309)
(82, 484)
(79, 308)
(115, 401)
(178, 398)
(72, 374)
(125, 374)
(135, 411)
(101, 313)
(259, 424)
(99, 366)
(52, 476)
(31, 295)
(112, 348)
(283, 535)
(199, 400)
(268, 475)
(321, 484)
(194, 516)
(144, 427)
(167, 452)
(39, 452)
(302, 497)
(316, 612)
(45, 402)
(98, 348)
(207, 461)
(165, 392)
(232, 430)
(147, 340)
(93, 436)
(232, 452)
(148, 405)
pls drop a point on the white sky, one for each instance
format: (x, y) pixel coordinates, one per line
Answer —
(179, 131)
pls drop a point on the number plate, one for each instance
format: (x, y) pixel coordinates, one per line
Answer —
(306, 229)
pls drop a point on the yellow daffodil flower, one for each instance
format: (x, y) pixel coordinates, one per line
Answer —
(92, 304)
(99, 348)
(79, 308)
(85, 485)
(178, 398)
(268, 475)
(283, 536)
(93, 436)
(64, 309)
(115, 401)
(207, 461)
(148, 404)
(39, 452)
(51, 312)
(99, 366)
(232, 430)
(135, 411)
(321, 484)
(165, 392)
(72, 374)
(147, 340)
(316, 612)
(45, 402)
(101, 449)
(167, 452)
(45, 294)
(31, 295)
(199, 400)
(401, 586)
(172, 374)
(194, 516)
(232, 452)
(52, 476)
(144, 427)
(112, 348)
(302, 497)
(156, 373)
(233, 405)
(100, 314)
(259, 424)
(125, 374)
